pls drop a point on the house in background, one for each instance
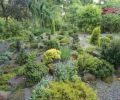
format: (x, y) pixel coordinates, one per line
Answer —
(98, 1)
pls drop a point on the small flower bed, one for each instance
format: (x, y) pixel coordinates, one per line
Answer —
(109, 10)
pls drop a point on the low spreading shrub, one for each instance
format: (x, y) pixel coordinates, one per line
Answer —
(111, 52)
(104, 40)
(5, 56)
(6, 73)
(34, 71)
(52, 44)
(110, 23)
(95, 66)
(75, 90)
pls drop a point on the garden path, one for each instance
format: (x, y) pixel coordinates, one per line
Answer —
(84, 42)
(107, 91)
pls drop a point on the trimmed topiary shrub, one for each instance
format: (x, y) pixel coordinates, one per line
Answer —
(95, 36)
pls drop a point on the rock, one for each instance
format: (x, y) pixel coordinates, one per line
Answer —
(16, 81)
(40, 45)
(89, 77)
(96, 53)
(108, 79)
(4, 95)
(74, 55)
(17, 95)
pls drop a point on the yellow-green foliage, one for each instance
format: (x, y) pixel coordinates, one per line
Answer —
(4, 78)
(95, 36)
(76, 90)
(104, 40)
(64, 40)
(51, 55)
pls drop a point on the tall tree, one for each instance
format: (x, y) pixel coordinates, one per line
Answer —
(46, 12)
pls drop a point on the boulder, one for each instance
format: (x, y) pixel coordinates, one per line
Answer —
(89, 77)
(16, 81)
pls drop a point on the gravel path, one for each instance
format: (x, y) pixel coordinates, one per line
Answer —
(83, 40)
(107, 91)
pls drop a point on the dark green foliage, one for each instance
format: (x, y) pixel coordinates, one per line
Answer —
(93, 65)
(9, 28)
(5, 56)
(95, 36)
(34, 71)
(22, 57)
(52, 44)
(110, 23)
(111, 52)
(14, 8)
